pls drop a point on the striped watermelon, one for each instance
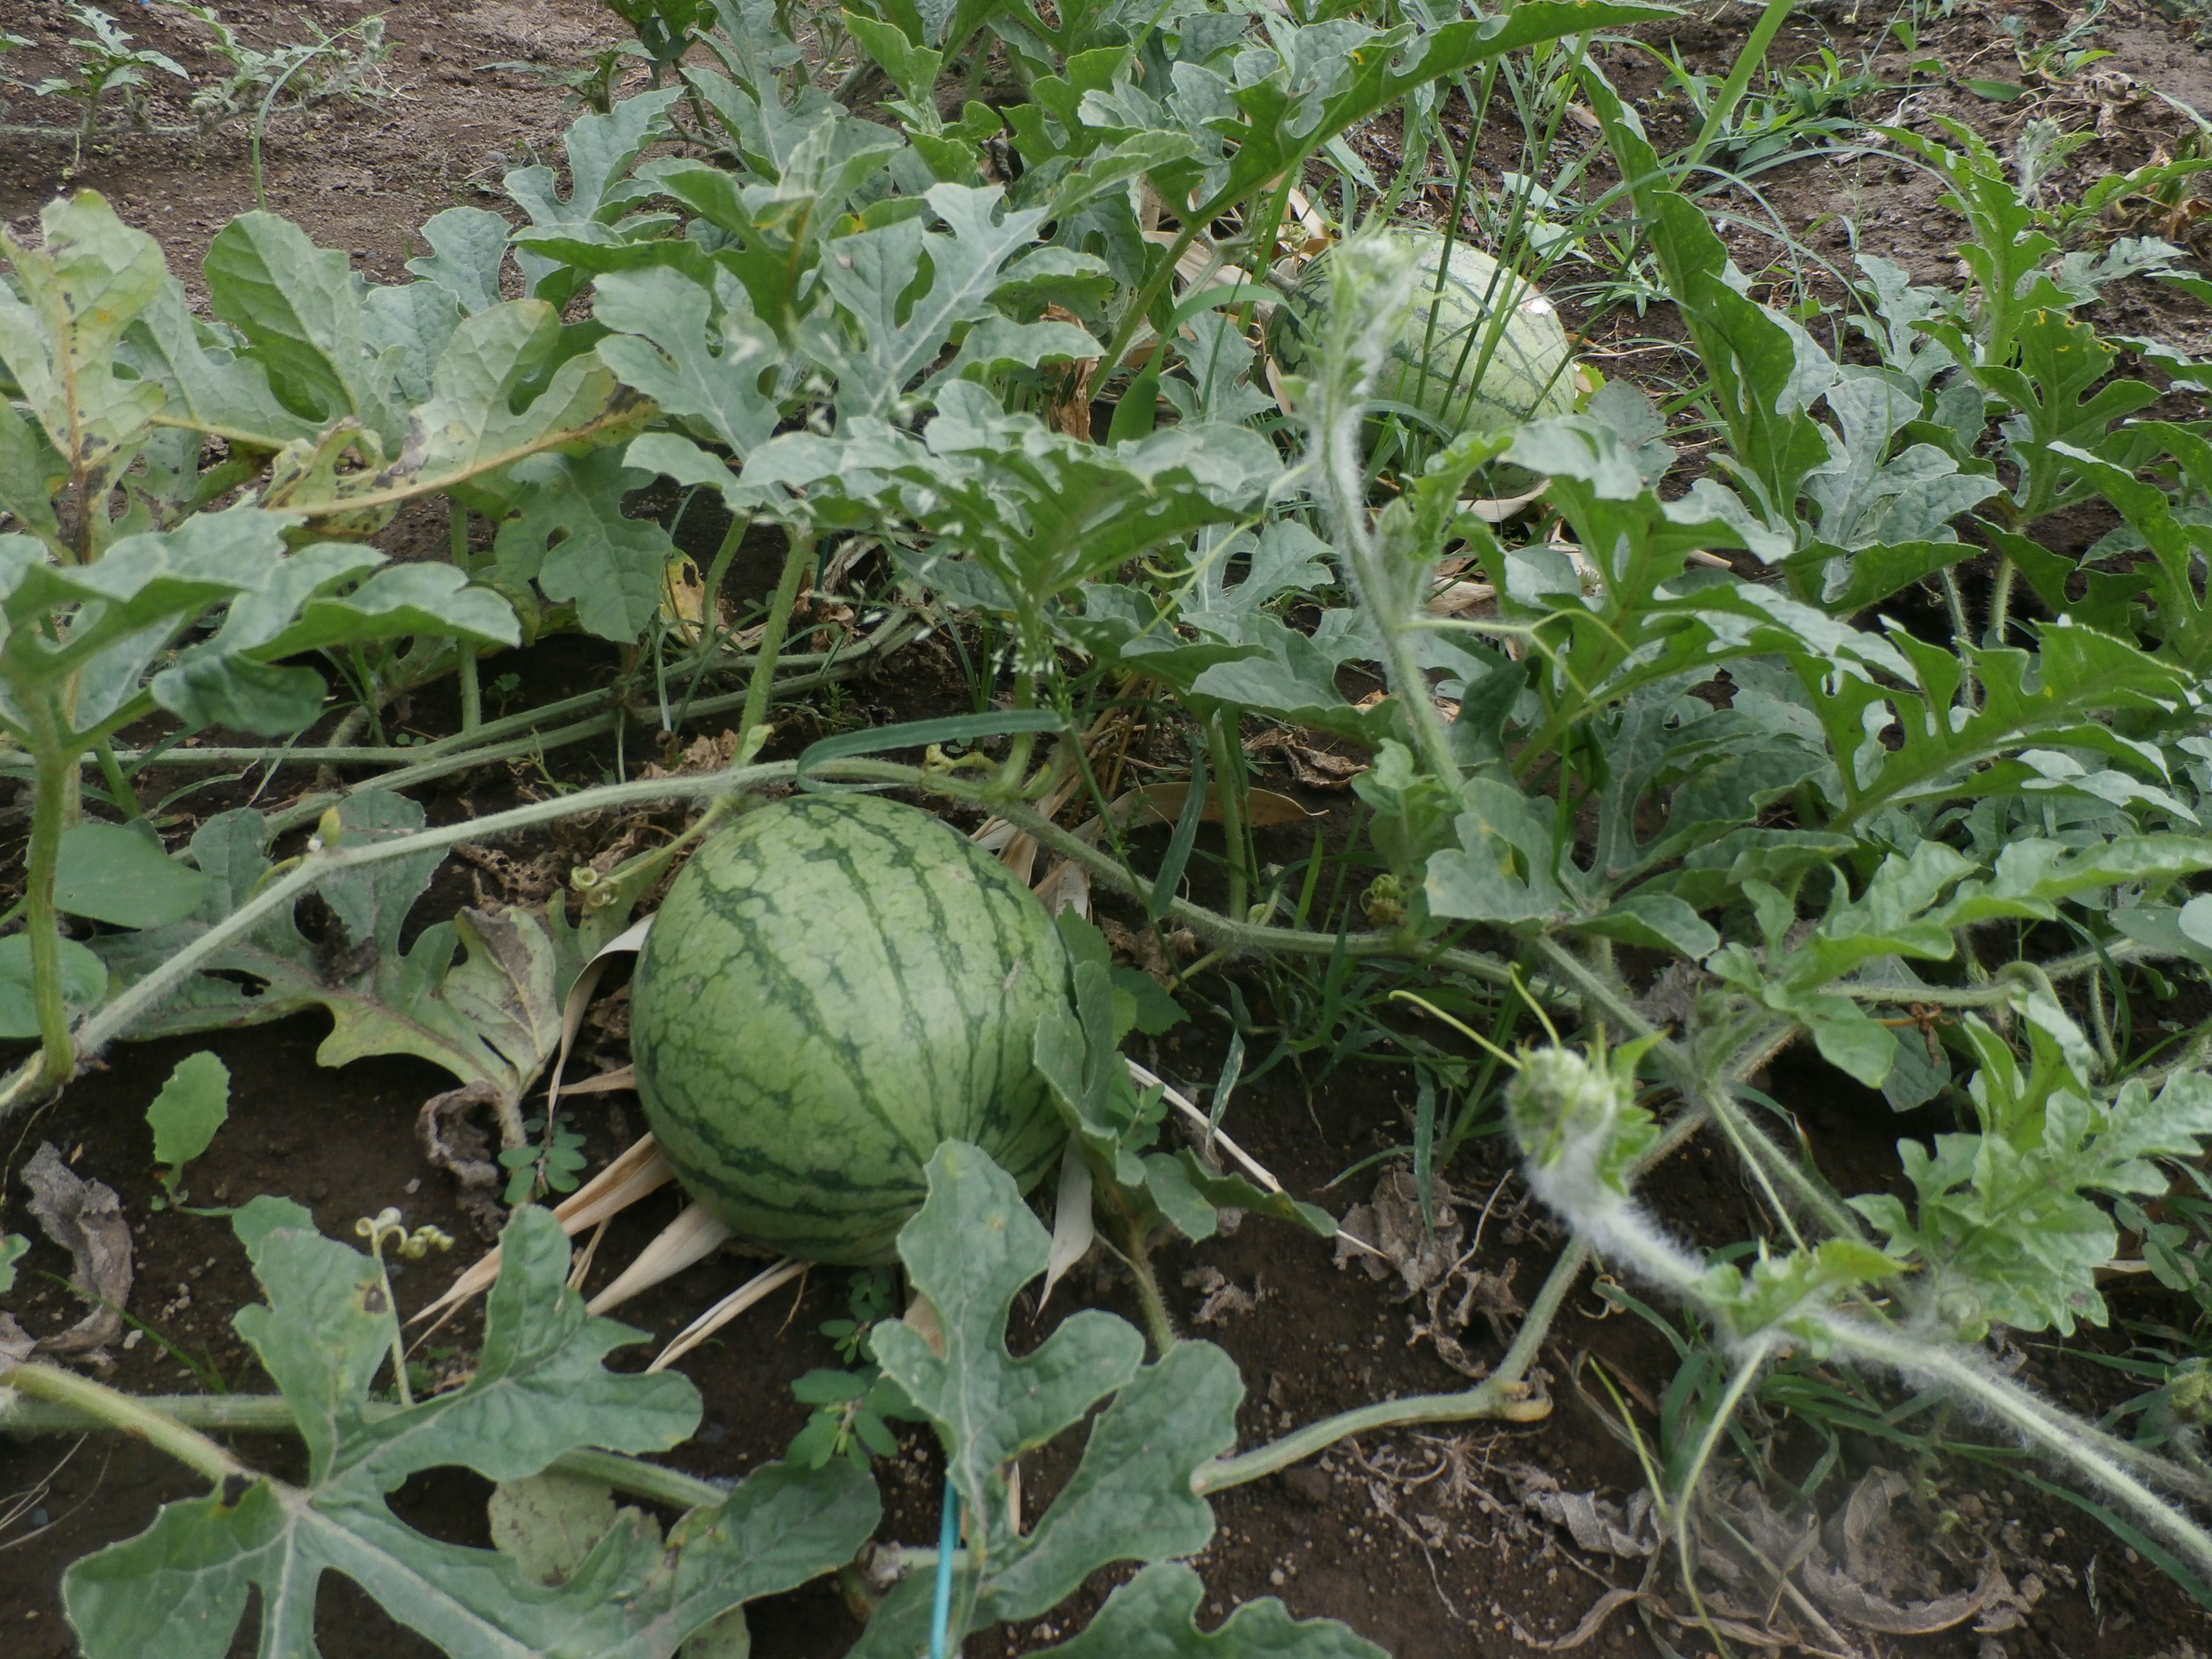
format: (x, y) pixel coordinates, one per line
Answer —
(1530, 373)
(836, 984)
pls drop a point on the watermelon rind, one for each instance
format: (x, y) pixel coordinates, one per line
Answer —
(1529, 373)
(835, 985)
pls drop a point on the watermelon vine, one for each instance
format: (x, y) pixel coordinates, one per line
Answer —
(1094, 385)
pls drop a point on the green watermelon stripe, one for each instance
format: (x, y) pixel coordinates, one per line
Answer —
(835, 985)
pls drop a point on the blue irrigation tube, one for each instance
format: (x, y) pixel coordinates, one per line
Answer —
(948, 1540)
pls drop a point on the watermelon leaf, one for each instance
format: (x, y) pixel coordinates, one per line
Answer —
(1156, 1613)
(969, 1251)
(571, 536)
(492, 1017)
(540, 1390)
(93, 279)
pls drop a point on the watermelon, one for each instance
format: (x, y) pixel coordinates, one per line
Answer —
(1530, 373)
(835, 985)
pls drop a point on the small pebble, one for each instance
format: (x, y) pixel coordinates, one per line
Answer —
(414, 1186)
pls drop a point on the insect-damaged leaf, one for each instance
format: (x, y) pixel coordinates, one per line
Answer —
(493, 1016)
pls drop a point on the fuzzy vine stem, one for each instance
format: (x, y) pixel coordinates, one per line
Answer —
(43, 1409)
(1766, 1161)
(113, 1021)
(1158, 1327)
(95, 1404)
(464, 649)
(2102, 1458)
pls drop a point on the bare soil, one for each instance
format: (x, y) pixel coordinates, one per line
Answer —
(1420, 1541)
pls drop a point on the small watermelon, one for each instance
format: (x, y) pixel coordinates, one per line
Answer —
(835, 985)
(1530, 373)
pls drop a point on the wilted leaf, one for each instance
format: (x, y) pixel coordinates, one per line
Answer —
(549, 1523)
(86, 1219)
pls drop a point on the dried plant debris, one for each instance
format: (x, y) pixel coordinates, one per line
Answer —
(1432, 1264)
(1391, 1221)
(1598, 1525)
(1872, 1568)
(463, 1150)
(85, 1219)
(1224, 1298)
(1315, 767)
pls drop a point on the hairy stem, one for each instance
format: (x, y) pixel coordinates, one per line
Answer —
(38, 1411)
(83, 1399)
(1962, 631)
(1227, 933)
(1229, 793)
(2103, 1459)
(1158, 1327)
(122, 796)
(2000, 605)
(1768, 1163)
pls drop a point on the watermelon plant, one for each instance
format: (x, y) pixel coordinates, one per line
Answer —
(1090, 378)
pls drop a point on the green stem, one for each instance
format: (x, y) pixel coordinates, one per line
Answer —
(796, 558)
(1336, 441)
(1228, 794)
(1223, 930)
(311, 807)
(1963, 633)
(115, 1020)
(1739, 82)
(471, 687)
(887, 637)
(1766, 1161)
(83, 1400)
(1158, 1325)
(125, 799)
(1747, 1370)
(1138, 308)
(2000, 604)
(1499, 1395)
(50, 792)
(457, 551)
(2102, 1458)
(2100, 1025)
(39, 1412)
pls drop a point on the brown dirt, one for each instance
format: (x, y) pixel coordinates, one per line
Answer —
(1472, 1575)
